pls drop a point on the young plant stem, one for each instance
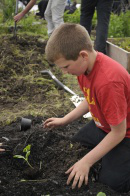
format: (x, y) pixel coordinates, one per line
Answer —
(29, 164)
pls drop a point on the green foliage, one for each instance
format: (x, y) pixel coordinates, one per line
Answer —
(94, 20)
(31, 24)
(119, 25)
(123, 43)
(101, 194)
(8, 7)
(115, 26)
(126, 20)
(1, 16)
(72, 18)
(26, 150)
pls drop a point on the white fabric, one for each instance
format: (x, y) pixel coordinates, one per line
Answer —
(54, 14)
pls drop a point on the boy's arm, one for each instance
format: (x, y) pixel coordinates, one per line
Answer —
(81, 169)
(19, 16)
(79, 111)
(73, 115)
(111, 140)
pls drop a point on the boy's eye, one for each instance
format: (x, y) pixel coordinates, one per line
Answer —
(65, 67)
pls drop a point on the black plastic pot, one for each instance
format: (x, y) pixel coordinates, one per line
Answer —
(25, 124)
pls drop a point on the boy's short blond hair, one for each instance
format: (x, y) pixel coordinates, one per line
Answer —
(67, 41)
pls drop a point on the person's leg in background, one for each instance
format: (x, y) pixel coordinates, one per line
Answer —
(48, 17)
(115, 170)
(57, 8)
(42, 5)
(103, 16)
(116, 7)
(87, 11)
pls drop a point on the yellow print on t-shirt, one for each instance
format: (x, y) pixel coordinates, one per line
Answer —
(96, 120)
(91, 102)
(87, 91)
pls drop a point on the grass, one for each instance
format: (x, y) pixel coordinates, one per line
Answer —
(29, 24)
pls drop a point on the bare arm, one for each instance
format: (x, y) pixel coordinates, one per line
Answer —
(111, 140)
(80, 170)
(77, 112)
(19, 16)
(73, 115)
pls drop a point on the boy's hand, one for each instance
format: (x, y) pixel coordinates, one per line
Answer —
(53, 122)
(18, 17)
(79, 171)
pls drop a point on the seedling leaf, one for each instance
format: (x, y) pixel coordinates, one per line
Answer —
(71, 145)
(19, 157)
(27, 155)
(27, 151)
(101, 194)
(27, 148)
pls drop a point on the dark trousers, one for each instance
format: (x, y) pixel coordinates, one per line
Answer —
(115, 165)
(42, 7)
(103, 8)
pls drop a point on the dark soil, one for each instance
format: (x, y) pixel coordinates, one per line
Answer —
(51, 150)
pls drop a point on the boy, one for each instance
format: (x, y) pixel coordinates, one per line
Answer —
(106, 87)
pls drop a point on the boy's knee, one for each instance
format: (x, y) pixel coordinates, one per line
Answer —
(115, 182)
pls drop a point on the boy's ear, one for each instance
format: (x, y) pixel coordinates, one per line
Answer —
(83, 54)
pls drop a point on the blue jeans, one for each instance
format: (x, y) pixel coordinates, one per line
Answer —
(103, 8)
(115, 165)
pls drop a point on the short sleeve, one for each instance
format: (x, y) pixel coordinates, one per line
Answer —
(113, 103)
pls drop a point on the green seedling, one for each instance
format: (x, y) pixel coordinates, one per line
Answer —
(71, 145)
(27, 151)
(101, 194)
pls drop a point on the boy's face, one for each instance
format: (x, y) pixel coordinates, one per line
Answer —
(72, 67)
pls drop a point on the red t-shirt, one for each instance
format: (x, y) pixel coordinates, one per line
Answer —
(107, 91)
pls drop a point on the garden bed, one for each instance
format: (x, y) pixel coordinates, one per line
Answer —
(51, 151)
(119, 50)
(25, 93)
